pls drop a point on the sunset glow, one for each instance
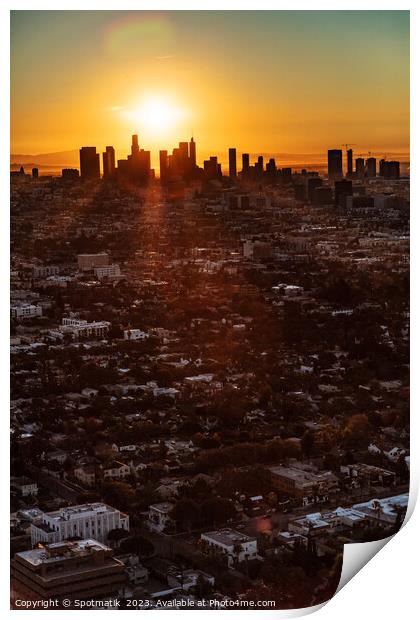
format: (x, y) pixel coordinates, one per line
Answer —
(264, 81)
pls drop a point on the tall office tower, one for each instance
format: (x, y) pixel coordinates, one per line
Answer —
(343, 189)
(89, 163)
(260, 164)
(349, 162)
(313, 183)
(232, 163)
(193, 161)
(245, 163)
(371, 167)
(184, 158)
(163, 166)
(360, 167)
(108, 162)
(335, 163)
(271, 169)
(389, 169)
(34, 173)
(134, 145)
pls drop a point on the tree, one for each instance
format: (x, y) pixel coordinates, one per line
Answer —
(357, 430)
(186, 513)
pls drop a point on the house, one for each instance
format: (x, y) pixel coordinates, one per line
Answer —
(116, 471)
(135, 334)
(86, 475)
(159, 516)
(24, 486)
(234, 546)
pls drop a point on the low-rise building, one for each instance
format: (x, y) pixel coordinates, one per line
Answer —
(160, 516)
(234, 546)
(67, 570)
(85, 521)
(25, 311)
(24, 486)
(302, 484)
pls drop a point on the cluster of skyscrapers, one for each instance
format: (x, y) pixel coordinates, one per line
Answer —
(363, 168)
(181, 165)
(135, 168)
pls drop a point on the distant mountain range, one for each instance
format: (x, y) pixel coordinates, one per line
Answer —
(46, 160)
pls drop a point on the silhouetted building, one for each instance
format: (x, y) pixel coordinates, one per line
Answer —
(70, 174)
(335, 163)
(232, 163)
(313, 183)
(136, 168)
(245, 164)
(342, 189)
(360, 167)
(271, 170)
(212, 169)
(389, 169)
(349, 162)
(371, 167)
(108, 162)
(89, 163)
(34, 173)
(286, 175)
(163, 166)
(322, 195)
(193, 156)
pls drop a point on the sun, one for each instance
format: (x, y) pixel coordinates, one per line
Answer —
(156, 114)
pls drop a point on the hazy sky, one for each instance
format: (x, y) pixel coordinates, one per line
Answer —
(286, 81)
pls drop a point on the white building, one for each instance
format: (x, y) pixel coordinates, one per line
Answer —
(82, 329)
(43, 271)
(384, 511)
(159, 516)
(236, 547)
(25, 311)
(135, 334)
(88, 262)
(25, 486)
(85, 521)
(108, 271)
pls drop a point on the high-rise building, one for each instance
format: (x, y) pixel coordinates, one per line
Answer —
(108, 162)
(335, 164)
(134, 144)
(245, 163)
(371, 167)
(232, 163)
(360, 167)
(193, 161)
(34, 173)
(389, 169)
(313, 183)
(343, 188)
(163, 165)
(349, 162)
(70, 174)
(89, 163)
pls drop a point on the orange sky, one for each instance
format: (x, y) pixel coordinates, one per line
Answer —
(297, 82)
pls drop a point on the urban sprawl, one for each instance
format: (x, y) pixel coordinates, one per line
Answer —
(209, 377)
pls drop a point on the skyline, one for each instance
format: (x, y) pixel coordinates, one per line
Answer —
(80, 94)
